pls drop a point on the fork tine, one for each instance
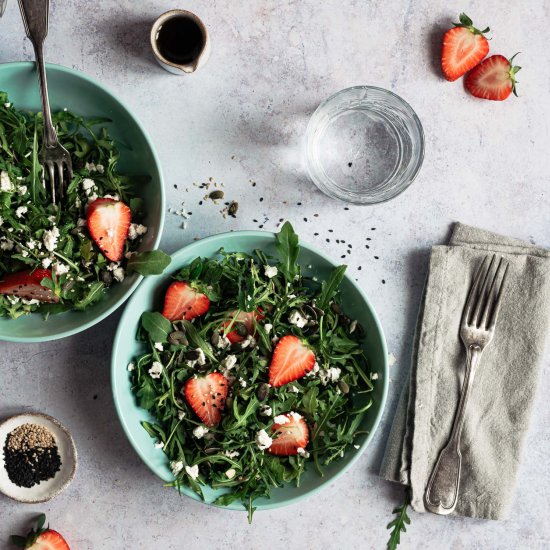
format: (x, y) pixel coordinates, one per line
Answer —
(69, 172)
(52, 179)
(491, 294)
(482, 293)
(473, 290)
(498, 299)
(61, 189)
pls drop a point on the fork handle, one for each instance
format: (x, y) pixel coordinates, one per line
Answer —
(35, 19)
(442, 490)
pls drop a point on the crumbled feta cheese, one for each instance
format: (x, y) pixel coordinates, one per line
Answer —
(242, 382)
(136, 230)
(12, 299)
(302, 452)
(118, 274)
(223, 342)
(263, 440)
(50, 238)
(294, 389)
(314, 370)
(46, 262)
(230, 473)
(202, 358)
(31, 244)
(60, 268)
(21, 211)
(266, 410)
(270, 271)
(200, 431)
(159, 346)
(31, 302)
(1, 220)
(192, 471)
(100, 168)
(88, 185)
(156, 369)
(374, 376)
(268, 327)
(229, 362)
(296, 416)
(176, 467)
(7, 105)
(232, 454)
(297, 319)
(357, 446)
(5, 183)
(131, 366)
(159, 445)
(181, 415)
(332, 374)
(281, 419)
(249, 341)
(24, 253)
(291, 296)
(22, 189)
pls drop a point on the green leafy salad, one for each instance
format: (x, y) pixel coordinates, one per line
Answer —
(252, 372)
(59, 257)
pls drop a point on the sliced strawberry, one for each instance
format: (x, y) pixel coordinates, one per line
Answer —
(494, 78)
(241, 322)
(26, 284)
(108, 223)
(289, 436)
(464, 47)
(291, 360)
(206, 396)
(182, 301)
(49, 540)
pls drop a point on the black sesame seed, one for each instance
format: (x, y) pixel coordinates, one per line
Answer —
(350, 164)
(383, 281)
(200, 203)
(359, 268)
(376, 258)
(343, 256)
(328, 240)
(305, 219)
(175, 186)
(346, 208)
(261, 199)
(331, 230)
(299, 203)
(315, 234)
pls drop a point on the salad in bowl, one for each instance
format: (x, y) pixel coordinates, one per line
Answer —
(253, 375)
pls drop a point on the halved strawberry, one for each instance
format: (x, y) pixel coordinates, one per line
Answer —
(26, 284)
(494, 78)
(289, 436)
(206, 396)
(108, 223)
(49, 540)
(182, 301)
(242, 324)
(291, 360)
(464, 47)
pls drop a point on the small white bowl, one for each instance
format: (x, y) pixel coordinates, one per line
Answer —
(45, 490)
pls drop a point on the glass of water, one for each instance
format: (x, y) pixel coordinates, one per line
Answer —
(364, 145)
(3, 4)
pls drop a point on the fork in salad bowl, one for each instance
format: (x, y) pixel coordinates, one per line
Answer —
(477, 329)
(55, 159)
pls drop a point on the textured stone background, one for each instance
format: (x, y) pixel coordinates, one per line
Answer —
(272, 63)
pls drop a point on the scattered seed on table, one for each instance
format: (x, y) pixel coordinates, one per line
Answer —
(328, 240)
(175, 186)
(350, 164)
(376, 257)
(367, 246)
(369, 239)
(261, 199)
(216, 195)
(255, 221)
(331, 230)
(373, 228)
(315, 234)
(383, 281)
(233, 208)
(360, 268)
(343, 256)
(346, 208)
(305, 219)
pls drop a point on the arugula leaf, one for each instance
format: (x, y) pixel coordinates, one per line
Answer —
(287, 245)
(309, 400)
(330, 287)
(157, 326)
(92, 295)
(151, 262)
(398, 525)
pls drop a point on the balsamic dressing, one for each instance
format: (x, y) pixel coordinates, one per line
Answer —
(180, 40)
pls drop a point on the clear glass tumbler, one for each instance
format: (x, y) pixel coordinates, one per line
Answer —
(364, 145)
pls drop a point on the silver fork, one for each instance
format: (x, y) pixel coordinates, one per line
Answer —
(476, 330)
(53, 156)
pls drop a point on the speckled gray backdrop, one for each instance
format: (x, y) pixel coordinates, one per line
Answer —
(242, 118)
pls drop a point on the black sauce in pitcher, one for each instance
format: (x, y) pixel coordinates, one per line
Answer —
(180, 40)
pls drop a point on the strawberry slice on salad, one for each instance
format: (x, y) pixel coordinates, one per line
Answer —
(206, 395)
(108, 222)
(183, 301)
(494, 78)
(290, 433)
(26, 284)
(291, 360)
(242, 324)
(464, 47)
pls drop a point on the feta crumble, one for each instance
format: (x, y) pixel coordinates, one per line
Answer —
(176, 466)
(46, 262)
(159, 445)
(297, 319)
(21, 211)
(192, 471)
(268, 327)
(181, 415)
(119, 274)
(231, 473)
(136, 230)
(5, 183)
(50, 238)
(159, 346)
(302, 452)
(200, 431)
(263, 440)
(232, 454)
(281, 419)
(87, 186)
(131, 366)
(270, 271)
(374, 376)
(229, 362)
(60, 268)
(156, 369)
(266, 410)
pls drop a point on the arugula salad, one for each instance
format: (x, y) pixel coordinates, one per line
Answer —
(55, 258)
(252, 372)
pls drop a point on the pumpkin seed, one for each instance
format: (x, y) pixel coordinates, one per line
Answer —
(192, 355)
(233, 207)
(344, 388)
(352, 326)
(177, 338)
(106, 277)
(336, 308)
(215, 339)
(216, 195)
(263, 392)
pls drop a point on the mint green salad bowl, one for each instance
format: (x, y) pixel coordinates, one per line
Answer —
(150, 295)
(86, 97)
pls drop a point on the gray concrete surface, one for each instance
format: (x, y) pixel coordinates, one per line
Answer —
(242, 118)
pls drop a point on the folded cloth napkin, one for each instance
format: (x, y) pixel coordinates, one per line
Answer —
(500, 404)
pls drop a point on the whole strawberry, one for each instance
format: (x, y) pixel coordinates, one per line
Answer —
(464, 47)
(40, 538)
(494, 78)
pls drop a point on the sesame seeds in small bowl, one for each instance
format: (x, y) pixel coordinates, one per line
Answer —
(38, 457)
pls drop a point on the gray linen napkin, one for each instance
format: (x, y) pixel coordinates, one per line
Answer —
(500, 405)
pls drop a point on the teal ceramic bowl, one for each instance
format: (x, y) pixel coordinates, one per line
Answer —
(84, 96)
(149, 296)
